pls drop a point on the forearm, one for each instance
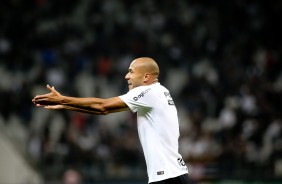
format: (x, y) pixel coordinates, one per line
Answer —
(94, 105)
(89, 105)
(66, 107)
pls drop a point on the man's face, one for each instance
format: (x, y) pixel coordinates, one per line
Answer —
(134, 76)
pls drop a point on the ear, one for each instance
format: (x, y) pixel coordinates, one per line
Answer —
(146, 77)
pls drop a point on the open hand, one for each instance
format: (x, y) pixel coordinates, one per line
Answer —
(49, 99)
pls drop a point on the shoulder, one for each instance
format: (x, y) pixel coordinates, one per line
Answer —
(140, 89)
(140, 92)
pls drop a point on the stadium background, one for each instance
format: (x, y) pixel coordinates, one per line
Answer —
(220, 59)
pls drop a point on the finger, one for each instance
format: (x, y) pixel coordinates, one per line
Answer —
(33, 101)
(43, 102)
(41, 96)
(53, 107)
(49, 107)
(49, 88)
(52, 89)
(55, 91)
(38, 97)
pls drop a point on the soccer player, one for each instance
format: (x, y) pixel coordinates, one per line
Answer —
(157, 118)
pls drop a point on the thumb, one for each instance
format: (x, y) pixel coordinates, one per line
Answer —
(52, 89)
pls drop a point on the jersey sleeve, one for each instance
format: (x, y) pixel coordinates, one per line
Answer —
(138, 98)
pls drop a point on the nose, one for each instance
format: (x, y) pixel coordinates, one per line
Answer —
(127, 76)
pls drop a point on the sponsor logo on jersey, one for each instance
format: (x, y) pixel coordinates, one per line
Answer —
(141, 94)
(160, 172)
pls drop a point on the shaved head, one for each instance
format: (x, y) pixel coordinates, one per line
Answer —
(147, 65)
(142, 71)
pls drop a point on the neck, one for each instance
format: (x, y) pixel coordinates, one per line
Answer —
(153, 82)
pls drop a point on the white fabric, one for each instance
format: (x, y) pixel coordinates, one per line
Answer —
(158, 130)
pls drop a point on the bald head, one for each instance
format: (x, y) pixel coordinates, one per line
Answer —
(142, 71)
(147, 65)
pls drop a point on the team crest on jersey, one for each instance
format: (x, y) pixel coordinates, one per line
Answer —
(141, 94)
(181, 162)
(169, 98)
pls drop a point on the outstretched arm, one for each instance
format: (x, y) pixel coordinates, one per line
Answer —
(54, 100)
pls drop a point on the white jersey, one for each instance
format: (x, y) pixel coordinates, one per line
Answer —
(158, 130)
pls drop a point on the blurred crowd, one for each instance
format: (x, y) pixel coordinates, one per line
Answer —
(221, 60)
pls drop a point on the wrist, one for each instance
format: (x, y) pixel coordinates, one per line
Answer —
(64, 100)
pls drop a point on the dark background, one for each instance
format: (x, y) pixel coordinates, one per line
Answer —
(220, 59)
